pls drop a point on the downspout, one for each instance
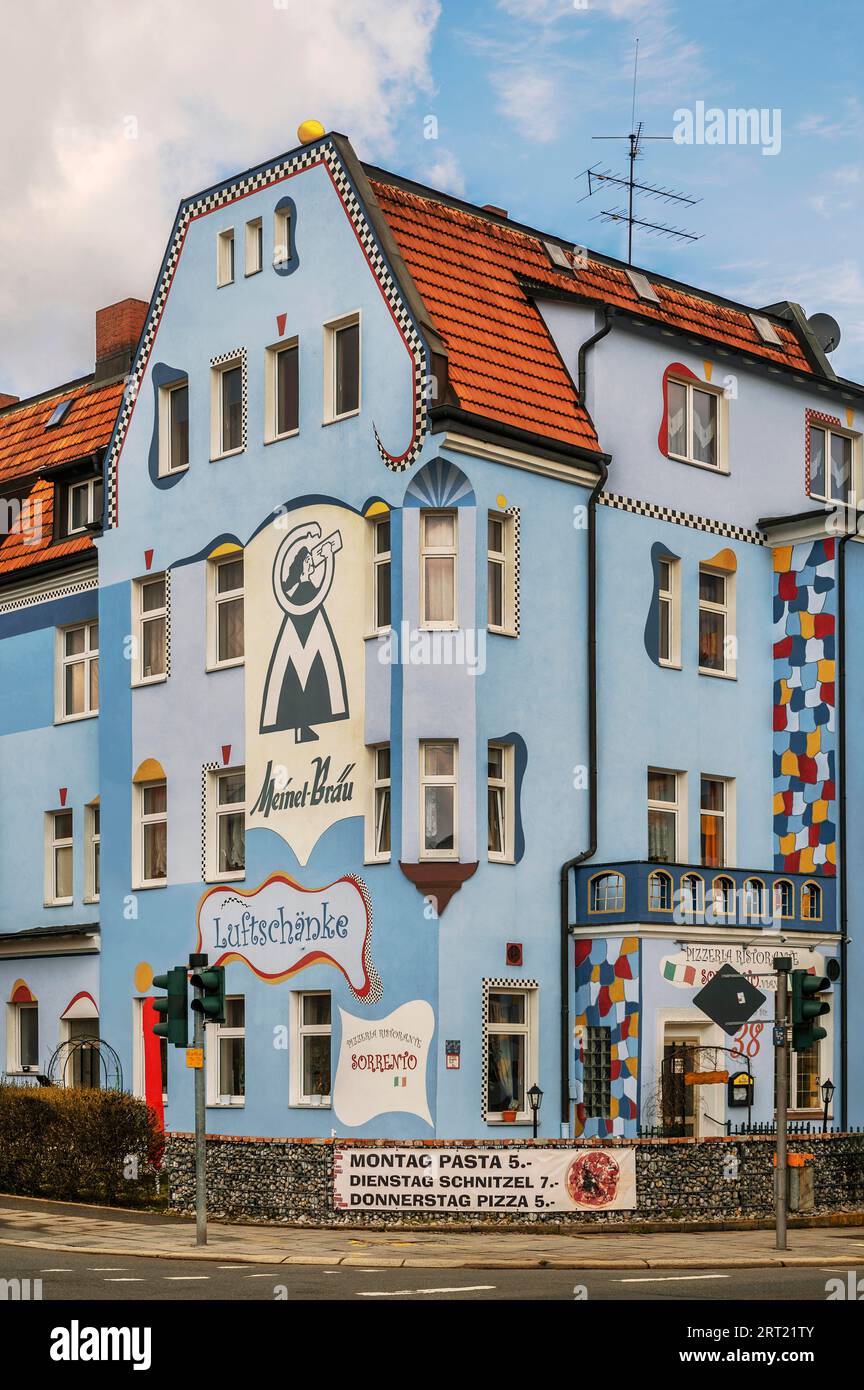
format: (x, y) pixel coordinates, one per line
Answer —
(571, 864)
(844, 877)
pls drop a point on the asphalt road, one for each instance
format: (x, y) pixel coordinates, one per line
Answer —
(88, 1277)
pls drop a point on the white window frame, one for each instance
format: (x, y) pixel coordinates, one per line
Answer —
(217, 374)
(215, 811)
(671, 597)
(529, 1029)
(377, 559)
(431, 780)
(379, 785)
(53, 842)
(215, 1099)
(727, 609)
(300, 1030)
(505, 564)
(253, 250)
(214, 600)
(271, 389)
(92, 852)
(167, 466)
(139, 618)
(331, 329)
(225, 254)
(138, 1067)
(726, 817)
(855, 478)
(505, 784)
(140, 820)
(678, 807)
(282, 232)
(720, 453)
(14, 1063)
(89, 485)
(86, 658)
(432, 551)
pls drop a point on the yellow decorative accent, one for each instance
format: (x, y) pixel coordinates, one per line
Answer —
(805, 863)
(616, 991)
(723, 560)
(785, 692)
(808, 624)
(789, 763)
(782, 559)
(595, 974)
(826, 671)
(779, 808)
(709, 367)
(94, 802)
(831, 853)
(632, 1065)
(143, 977)
(226, 548)
(150, 771)
(310, 131)
(814, 743)
(629, 946)
(850, 417)
(819, 811)
(501, 501)
(787, 844)
(22, 984)
(613, 1107)
(633, 1030)
(378, 508)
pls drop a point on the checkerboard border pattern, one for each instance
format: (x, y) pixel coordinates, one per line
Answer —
(517, 566)
(237, 355)
(815, 417)
(81, 586)
(488, 986)
(698, 523)
(206, 769)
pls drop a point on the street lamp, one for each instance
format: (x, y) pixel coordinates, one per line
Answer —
(828, 1088)
(535, 1095)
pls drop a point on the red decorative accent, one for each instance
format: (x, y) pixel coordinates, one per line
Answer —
(791, 862)
(438, 881)
(828, 791)
(148, 559)
(783, 648)
(604, 1003)
(82, 994)
(281, 320)
(583, 951)
(823, 625)
(813, 836)
(226, 754)
(674, 369)
(513, 953)
(152, 1064)
(622, 968)
(779, 718)
(829, 870)
(806, 768)
(826, 690)
(788, 798)
(625, 1025)
(63, 791)
(829, 544)
(616, 1071)
(22, 995)
(788, 587)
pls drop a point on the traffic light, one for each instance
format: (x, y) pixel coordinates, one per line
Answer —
(172, 1009)
(806, 1006)
(211, 1003)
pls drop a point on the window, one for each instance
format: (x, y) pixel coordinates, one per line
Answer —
(784, 898)
(663, 813)
(92, 851)
(597, 1071)
(712, 822)
(23, 1048)
(438, 809)
(174, 427)
(381, 809)
(58, 878)
(79, 671)
(693, 894)
(312, 1052)
(83, 505)
(766, 330)
(227, 404)
(500, 801)
(438, 569)
(151, 597)
(287, 390)
(754, 900)
(225, 257)
(642, 285)
(381, 559)
(254, 246)
(668, 597)
(607, 893)
(228, 847)
(58, 414)
(510, 1051)
(226, 611)
(804, 1090)
(342, 367)
(282, 249)
(226, 1057)
(715, 623)
(693, 423)
(153, 834)
(500, 573)
(811, 902)
(659, 891)
(723, 891)
(833, 459)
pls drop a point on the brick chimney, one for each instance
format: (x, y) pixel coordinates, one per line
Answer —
(118, 328)
(7, 400)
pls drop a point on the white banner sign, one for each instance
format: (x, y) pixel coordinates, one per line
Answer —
(469, 1179)
(382, 1064)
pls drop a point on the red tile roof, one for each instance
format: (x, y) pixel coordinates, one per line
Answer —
(503, 362)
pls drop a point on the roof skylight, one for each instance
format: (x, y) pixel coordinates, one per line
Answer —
(766, 330)
(642, 285)
(59, 414)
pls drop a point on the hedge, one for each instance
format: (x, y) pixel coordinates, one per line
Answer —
(77, 1143)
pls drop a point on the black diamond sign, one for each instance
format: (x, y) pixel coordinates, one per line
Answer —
(729, 999)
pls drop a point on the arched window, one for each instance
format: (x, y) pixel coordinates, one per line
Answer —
(693, 894)
(659, 891)
(607, 893)
(811, 902)
(784, 898)
(723, 892)
(754, 900)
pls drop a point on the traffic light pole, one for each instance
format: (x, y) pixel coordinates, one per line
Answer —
(782, 964)
(196, 962)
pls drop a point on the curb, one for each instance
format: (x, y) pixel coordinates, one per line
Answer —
(553, 1262)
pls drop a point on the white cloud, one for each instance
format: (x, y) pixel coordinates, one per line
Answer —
(207, 88)
(445, 174)
(531, 98)
(849, 122)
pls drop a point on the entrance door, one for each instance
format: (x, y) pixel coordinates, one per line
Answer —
(680, 1117)
(82, 1065)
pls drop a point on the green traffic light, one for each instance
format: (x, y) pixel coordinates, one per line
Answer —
(806, 1005)
(172, 1008)
(211, 1001)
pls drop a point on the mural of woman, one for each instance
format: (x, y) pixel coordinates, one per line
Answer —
(305, 683)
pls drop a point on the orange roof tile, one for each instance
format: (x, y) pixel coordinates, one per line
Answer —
(18, 552)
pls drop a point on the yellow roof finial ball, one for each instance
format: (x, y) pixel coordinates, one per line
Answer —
(310, 131)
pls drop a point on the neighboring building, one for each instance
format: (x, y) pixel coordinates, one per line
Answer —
(467, 620)
(51, 450)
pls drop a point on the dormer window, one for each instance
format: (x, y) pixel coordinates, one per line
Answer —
(83, 505)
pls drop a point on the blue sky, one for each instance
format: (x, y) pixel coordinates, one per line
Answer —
(104, 127)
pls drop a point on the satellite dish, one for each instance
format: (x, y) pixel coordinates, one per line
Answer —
(827, 331)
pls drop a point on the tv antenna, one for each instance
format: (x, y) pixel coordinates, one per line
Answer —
(598, 178)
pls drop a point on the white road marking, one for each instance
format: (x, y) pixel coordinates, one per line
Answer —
(58, 1270)
(127, 1279)
(402, 1293)
(232, 1266)
(670, 1278)
(184, 1278)
(104, 1269)
(259, 1276)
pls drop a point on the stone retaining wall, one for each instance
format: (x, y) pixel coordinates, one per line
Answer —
(677, 1180)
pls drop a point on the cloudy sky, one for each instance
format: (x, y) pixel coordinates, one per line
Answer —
(111, 112)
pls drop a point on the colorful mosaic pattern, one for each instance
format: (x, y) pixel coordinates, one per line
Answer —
(607, 996)
(804, 723)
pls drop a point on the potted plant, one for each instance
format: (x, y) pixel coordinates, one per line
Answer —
(509, 1116)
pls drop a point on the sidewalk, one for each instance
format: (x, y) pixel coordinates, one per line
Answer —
(77, 1230)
